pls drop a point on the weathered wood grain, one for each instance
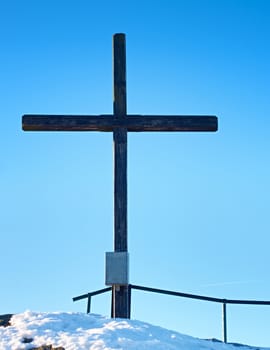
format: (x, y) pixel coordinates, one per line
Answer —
(120, 307)
(108, 123)
(119, 76)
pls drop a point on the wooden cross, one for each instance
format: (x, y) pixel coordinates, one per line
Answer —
(120, 123)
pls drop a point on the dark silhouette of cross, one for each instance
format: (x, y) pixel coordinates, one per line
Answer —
(120, 123)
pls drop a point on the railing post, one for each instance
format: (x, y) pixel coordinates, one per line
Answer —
(224, 321)
(129, 300)
(88, 304)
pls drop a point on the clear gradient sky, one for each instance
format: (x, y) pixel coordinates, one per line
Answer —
(198, 202)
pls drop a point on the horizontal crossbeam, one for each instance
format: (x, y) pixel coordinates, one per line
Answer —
(110, 122)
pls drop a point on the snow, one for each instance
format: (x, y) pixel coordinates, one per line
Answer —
(77, 331)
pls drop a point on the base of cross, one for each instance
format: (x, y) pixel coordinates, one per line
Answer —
(121, 301)
(117, 277)
(119, 293)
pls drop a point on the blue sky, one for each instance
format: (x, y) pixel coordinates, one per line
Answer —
(198, 202)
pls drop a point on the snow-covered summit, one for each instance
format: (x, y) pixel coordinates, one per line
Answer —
(77, 331)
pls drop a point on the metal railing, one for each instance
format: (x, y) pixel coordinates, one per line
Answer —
(90, 295)
(224, 302)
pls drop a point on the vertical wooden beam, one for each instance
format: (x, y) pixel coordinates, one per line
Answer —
(120, 190)
(120, 294)
(119, 76)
